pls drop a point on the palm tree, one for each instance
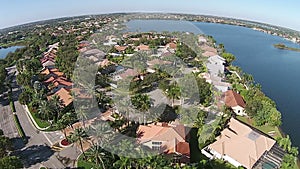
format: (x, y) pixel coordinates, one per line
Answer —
(102, 131)
(142, 103)
(81, 114)
(173, 92)
(45, 111)
(79, 136)
(57, 104)
(200, 121)
(96, 154)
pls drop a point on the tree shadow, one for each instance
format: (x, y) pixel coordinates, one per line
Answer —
(34, 154)
(19, 142)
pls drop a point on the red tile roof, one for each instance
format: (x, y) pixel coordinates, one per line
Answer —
(64, 95)
(233, 99)
(120, 48)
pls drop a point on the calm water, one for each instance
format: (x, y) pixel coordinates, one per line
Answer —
(276, 70)
(5, 51)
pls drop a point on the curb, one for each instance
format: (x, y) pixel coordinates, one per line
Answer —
(33, 122)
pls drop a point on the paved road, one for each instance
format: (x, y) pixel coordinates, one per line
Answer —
(7, 123)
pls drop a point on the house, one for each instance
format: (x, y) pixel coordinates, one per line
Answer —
(64, 96)
(154, 62)
(165, 138)
(215, 65)
(171, 45)
(236, 102)
(241, 145)
(121, 48)
(125, 74)
(142, 48)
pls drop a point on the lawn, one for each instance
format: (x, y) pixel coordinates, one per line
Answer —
(83, 164)
(39, 122)
(270, 130)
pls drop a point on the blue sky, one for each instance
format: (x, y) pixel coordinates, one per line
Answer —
(278, 12)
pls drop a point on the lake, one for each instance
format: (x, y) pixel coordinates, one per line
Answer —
(276, 70)
(5, 51)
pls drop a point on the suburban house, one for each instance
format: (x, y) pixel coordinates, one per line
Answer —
(236, 102)
(165, 138)
(242, 145)
(127, 73)
(64, 96)
(142, 48)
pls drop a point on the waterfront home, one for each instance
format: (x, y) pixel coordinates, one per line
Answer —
(165, 138)
(236, 102)
(215, 65)
(242, 145)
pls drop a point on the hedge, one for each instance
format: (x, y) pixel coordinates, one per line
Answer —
(12, 105)
(19, 128)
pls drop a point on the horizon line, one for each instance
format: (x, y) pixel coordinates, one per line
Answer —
(143, 12)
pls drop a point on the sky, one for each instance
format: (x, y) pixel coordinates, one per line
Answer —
(277, 12)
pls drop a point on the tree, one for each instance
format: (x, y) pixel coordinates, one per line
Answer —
(228, 57)
(79, 135)
(5, 145)
(141, 102)
(45, 112)
(173, 92)
(10, 162)
(200, 121)
(96, 154)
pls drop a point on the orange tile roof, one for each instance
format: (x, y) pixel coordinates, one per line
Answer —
(169, 135)
(120, 48)
(49, 80)
(172, 45)
(64, 95)
(233, 99)
(143, 47)
(62, 81)
(158, 62)
(242, 143)
(128, 72)
(45, 72)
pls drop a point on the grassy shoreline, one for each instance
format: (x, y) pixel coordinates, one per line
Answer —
(284, 47)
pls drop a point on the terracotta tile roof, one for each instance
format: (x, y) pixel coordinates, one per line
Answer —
(45, 72)
(169, 135)
(128, 72)
(233, 99)
(143, 47)
(171, 45)
(49, 80)
(208, 54)
(242, 143)
(120, 48)
(62, 81)
(157, 62)
(64, 95)
(79, 93)
(183, 148)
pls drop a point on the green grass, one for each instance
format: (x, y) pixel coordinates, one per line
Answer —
(12, 106)
(265, 128)
(39, 122)
(19, 128)
(83, 164)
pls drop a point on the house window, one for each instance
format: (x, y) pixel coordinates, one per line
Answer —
(156, 148)
(156, 143)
